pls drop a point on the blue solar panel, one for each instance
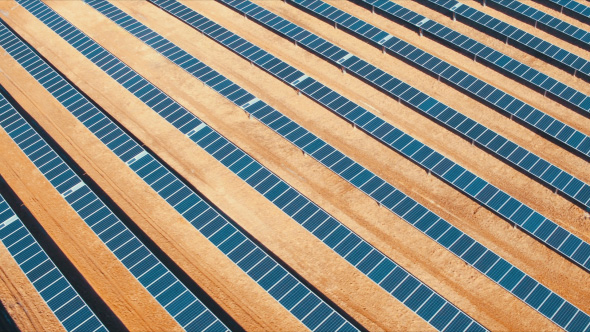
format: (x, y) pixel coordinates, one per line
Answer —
(542, 19)
(325, 227)
(573, 8)
(57, 292)
(450, 118)
(399, 203)
(566, 135)
(535, 45)
(193, 208)
(515, 212)
(494, 59)
(128, 249)
(469, 183)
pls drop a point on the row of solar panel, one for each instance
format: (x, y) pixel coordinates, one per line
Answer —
(574, 7)
(524, 39)
(551, 23)
(458, 78)
(546, 172)
(496, 60)
(488, 139)
(447, 235)
(57, 292)
(379, 268)
(275, 279)
(180, 303)
(473, 186)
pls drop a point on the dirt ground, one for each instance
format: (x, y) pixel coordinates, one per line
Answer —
(21, 300)
(237, 294)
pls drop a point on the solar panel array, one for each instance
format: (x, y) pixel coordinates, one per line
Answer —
(291, 293)
(489, 140)
(172, 294)
(467, 182)
(393, 278)
(472, 252)
(253, 260)
(57, 292)
(477, 88)
(573, 7)
(553, 24)
(494, 59)
(518, 36)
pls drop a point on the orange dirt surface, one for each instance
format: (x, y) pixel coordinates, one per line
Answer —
(100, 267)
(248, 304)
(21, 300)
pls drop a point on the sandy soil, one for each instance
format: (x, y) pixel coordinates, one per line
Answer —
(21, 300)
(153, 15)
(460, 203)
(114, 284)
(351, 291)
(177, 232)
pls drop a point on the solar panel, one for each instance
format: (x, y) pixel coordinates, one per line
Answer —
(323, 226)
(478, 189)
(494, 59)
(55, 289)
(541, 19)
(456, 77)
(487, 139)
(371, 262)
(530, 43)
(573, 8)
(180, 303)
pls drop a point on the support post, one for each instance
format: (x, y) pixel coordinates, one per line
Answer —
(304, 153)
(483, 2)
(353, 125)
(373, 9)
(335, 25)
(511, 116)
(343, 69)
(245, 16)
(295, 43)
(545, 93)
(249, 115)
(472, 141)
(561, 10)
(399, 100)
(475, 58)
(383, 49)
(420, 32)
(429, 172)
(439, 77)
(298, 92)
(575, 72)
(535, 24)
(506, 40)
(454, 16)
(251, 63)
